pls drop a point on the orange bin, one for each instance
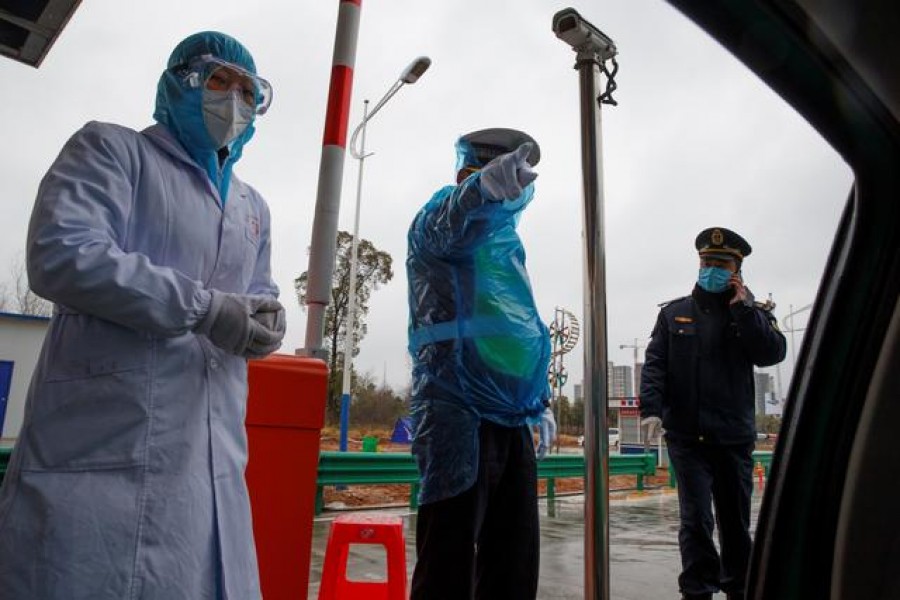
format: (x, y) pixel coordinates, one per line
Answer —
(285, 413)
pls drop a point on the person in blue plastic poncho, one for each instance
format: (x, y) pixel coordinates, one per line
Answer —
(480, 356)
(127, 480)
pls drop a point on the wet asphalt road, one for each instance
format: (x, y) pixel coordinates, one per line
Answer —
(644, 561)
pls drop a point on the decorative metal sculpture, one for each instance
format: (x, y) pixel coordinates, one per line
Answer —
(564, 333)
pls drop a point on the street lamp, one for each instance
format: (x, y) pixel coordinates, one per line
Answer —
(410, 74)
(791, 329)
(784, 323)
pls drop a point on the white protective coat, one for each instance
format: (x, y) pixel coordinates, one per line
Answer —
(127, 480)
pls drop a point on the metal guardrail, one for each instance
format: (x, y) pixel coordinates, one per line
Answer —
(561, 466)
(362, 468)
(372, 468)
(761, 458)
(4, 460)
(379, 468)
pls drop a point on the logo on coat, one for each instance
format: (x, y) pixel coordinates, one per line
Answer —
(253, 228)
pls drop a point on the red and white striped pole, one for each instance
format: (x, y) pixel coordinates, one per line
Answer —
(331, 171)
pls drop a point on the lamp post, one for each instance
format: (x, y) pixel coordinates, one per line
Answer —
(791, 329)
(410, 75)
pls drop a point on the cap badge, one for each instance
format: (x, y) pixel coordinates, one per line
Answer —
(716, 237)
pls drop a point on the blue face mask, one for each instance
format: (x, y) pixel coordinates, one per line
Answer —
(714, 279)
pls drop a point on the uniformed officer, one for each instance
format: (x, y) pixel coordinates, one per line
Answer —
(697, 383)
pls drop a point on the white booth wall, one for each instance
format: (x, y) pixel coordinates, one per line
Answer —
(21, 337)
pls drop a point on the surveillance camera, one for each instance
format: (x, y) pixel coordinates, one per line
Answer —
(573, 29)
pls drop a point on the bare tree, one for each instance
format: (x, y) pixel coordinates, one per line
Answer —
(373, 269)
(26, 301)
(4, 297)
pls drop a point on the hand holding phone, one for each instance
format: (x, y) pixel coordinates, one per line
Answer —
(739, 292)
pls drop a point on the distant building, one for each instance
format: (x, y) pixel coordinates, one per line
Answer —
(621, 381)
(765, 387)
(638, 368)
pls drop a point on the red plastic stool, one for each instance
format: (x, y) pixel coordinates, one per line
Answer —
(386, 530)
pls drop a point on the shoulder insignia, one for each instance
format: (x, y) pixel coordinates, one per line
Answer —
(684, 319)
(767, 306)
(664, 304)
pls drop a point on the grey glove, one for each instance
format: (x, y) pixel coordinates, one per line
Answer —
(546, 433)
(653, 425)
(229, 326)
(505, 177)
(270, 315)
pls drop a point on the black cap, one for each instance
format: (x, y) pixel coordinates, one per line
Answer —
(488, 144)
(718, 242)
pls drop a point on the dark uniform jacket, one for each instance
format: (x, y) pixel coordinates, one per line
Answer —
(698, 372)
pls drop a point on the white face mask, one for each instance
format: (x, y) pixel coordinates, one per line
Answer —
(226, 115)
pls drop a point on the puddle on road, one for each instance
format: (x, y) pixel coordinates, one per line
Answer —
(644, 559)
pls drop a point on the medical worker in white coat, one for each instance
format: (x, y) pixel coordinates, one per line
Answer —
(127, 480)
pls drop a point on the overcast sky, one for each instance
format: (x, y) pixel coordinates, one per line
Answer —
(695, 141)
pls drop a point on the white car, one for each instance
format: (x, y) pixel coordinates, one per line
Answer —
(613, 438)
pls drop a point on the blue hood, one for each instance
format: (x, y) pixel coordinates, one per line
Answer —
(181, 108)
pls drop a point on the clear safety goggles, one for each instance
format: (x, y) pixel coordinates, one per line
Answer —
(212, 73)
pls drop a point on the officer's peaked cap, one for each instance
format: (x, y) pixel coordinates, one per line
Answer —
(718, 242)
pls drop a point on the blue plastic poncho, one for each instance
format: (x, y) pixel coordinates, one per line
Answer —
(180, 108)
(479, 347)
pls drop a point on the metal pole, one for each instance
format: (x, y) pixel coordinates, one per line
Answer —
(331, 170)
(636, 382)
(593, 48)
(792, 329)
(659, 458)
(778, 373)
(793, 344)
(596, 405)
(322, 249)
(351, 293)
(410, 75)
(558, 318)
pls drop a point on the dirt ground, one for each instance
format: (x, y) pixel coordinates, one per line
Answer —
(386, 495)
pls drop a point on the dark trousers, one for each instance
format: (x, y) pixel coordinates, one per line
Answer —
(485, 542)
(721, 476)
